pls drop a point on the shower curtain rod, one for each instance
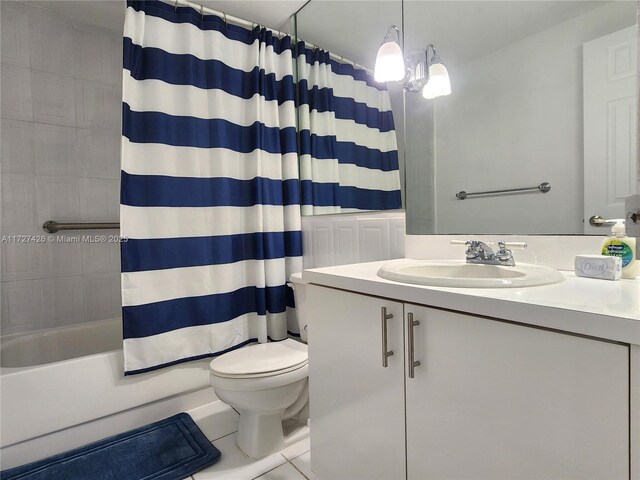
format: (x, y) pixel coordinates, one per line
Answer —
(341, 59)
(246, 23)
(227, 18)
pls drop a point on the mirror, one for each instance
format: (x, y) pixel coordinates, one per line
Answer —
(543, 93)
(347, 119)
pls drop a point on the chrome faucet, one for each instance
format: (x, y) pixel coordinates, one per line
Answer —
(480, 253)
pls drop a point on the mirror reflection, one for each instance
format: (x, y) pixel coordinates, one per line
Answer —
(538, 98)
(543, 99)
(349, 158)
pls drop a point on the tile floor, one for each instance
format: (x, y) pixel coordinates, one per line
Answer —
(220, 424)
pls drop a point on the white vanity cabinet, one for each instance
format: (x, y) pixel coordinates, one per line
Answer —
(490, 399)
(358, 405)
(496, 400)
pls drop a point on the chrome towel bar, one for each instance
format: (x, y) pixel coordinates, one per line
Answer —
(51, 226)
(544, 187)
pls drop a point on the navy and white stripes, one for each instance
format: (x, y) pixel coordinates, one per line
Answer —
(210, 186)
(211, 191)
(348, 149)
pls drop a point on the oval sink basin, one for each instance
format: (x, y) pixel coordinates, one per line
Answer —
(457, 273)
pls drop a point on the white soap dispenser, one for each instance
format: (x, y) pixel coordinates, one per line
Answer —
(619, 245)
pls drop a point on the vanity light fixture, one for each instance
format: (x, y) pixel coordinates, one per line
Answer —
(389, 61)
(438, 83)
(427, 75)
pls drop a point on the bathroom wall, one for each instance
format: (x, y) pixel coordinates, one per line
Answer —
(420, 150)
(60, 161)
(502, 108)
(352, 238)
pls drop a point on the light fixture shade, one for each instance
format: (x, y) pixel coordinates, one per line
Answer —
(438, 84)
(389, 61)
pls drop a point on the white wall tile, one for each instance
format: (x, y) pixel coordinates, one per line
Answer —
(51, 41)
(102, 257)
(102, 297)
(18, 201)
(322, 238)
(307, 246)
(354, 238)
(89, 53)
(53, 170)
(15, 33)
(373, 239)
(113, 113)
(57, 199)
(63, 259)
(99, 150)
(113, 60)
(345, 241)
(53, 99)
(21, 260)
(17, 152)
(94, 104)
(17, 103)
(55, 151)
(22, 306)
(396, 237)
(99, 200)
(64, 300)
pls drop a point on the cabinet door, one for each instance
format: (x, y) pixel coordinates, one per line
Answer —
(357, 405)
(494, 400)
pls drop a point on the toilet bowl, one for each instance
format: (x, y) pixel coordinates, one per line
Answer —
(267, 384)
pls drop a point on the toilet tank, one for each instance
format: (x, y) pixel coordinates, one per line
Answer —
(300, 294)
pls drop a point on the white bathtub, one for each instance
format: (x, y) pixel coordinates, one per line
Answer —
(54, 345)
(63, 388)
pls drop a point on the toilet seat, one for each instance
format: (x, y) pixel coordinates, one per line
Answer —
(261, 360)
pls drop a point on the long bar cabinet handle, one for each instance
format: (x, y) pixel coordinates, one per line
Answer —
(385, 353)
(412, 363)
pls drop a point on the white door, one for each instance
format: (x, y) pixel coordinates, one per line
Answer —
(610, 124)
(493, 401)
(357, 404)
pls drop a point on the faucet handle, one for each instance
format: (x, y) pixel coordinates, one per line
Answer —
(506, 244)
(475, 248)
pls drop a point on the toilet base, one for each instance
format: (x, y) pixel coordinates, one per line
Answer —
(262, 434)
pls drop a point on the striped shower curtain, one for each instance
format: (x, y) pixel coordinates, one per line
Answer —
(210, 186)
(348, 149)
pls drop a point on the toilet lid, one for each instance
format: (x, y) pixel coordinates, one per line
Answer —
(264, 358)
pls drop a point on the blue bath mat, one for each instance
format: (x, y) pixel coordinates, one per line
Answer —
(170, 449)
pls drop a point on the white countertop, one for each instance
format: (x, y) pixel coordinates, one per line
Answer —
(598, 308)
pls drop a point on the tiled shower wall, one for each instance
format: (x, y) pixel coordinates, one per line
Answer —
(61, 91)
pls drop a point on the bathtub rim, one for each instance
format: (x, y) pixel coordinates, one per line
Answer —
(14, 338)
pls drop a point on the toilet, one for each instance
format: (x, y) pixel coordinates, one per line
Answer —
(267, 384)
